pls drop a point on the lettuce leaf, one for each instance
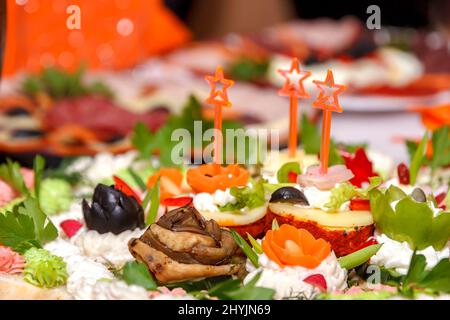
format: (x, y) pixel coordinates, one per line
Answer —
(341, 194)
(246, 197)
(345, 192)
(411, 221)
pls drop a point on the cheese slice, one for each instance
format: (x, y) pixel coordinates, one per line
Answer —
(341, 219)
(236, 218)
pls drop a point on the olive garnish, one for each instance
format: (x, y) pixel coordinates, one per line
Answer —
(290, 195)
(419, 195)
(112, 211)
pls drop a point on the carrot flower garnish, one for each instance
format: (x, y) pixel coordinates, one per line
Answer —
(211, 177)
(289, 246)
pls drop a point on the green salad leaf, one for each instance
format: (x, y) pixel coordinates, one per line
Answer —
(137, 273)
(246, 197)
(410, 221)
(346, 191)
(341, 194)
(417, 159)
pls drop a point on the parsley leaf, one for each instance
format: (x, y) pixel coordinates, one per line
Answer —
(311, 140)
(137, 273)
(10, 172)
(437, 279)
(25, 226)
(16, 230)
(233, 290)
(441, 147)
(44, 229)
(246, 69)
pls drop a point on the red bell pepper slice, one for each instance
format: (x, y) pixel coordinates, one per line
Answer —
(177, 201)
(359, 204)
(121, 185)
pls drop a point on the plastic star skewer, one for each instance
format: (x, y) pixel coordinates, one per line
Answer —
(327, 101)
(294, 77)
(294, 89)
(219, 86)
(219, 98)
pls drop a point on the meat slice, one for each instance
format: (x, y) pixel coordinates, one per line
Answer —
(101, 115)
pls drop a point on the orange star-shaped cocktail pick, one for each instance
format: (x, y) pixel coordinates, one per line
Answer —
(328, 96)
(219, 86)
(329, 103)
(294, 89)
(219, 98)
(294, 77)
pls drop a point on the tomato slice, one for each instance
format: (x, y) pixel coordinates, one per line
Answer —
(177, 202)
(121, 185)
(359, 204)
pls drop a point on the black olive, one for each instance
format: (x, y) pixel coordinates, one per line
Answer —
(114, 139)
(112, 211)
(26, 133)
(17, 111)
(419, 195)
(290, 195)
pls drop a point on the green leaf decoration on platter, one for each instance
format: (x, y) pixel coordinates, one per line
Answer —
(411, 221)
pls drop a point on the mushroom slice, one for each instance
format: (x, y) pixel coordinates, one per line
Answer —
(167, 270)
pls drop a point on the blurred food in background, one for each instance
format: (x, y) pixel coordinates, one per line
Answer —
(73, 92)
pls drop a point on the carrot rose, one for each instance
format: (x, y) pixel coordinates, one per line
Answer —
(289, 246)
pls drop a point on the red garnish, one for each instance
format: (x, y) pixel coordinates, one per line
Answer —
(71, 227)
(177, 202)
(292, 176)
(361, 167)
(440, 200)
(359, 204)
(403, 173)
(317, 280)
(369, 242)
(121, 185)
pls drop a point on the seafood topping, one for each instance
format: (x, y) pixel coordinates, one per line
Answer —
(183, 246)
